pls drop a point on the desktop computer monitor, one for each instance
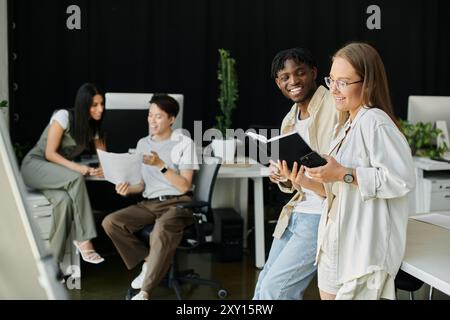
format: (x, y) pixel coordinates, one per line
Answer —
(125, 121)
(430, 109)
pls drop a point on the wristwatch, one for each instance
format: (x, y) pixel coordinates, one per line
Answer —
(164, 169)
(348, 177)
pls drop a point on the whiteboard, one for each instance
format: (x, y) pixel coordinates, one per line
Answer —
(27, 270)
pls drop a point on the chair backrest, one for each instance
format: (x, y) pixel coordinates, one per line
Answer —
(205, 179)
(126, 119)
(204, 182)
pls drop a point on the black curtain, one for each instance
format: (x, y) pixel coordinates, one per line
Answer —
(171, 46)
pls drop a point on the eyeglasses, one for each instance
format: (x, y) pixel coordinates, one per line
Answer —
(340, 84)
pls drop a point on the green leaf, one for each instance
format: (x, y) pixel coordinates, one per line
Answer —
(228, 90)
(422, 138)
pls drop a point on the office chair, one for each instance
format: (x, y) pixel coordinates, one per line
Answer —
(405, 281)
(195, 234)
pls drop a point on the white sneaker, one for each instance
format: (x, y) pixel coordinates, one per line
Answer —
(140, 296)
(137, 282)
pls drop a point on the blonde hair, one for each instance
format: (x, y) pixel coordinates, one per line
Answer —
(369, 66)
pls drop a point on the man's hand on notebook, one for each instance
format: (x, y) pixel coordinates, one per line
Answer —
(297, 176)
(275, 173)
(300, 180)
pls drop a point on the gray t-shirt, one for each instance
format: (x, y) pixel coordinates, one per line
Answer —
(178, 153)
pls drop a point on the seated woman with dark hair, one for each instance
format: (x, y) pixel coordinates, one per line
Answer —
(49, 168)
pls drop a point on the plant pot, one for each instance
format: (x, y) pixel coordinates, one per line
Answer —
(224, 149)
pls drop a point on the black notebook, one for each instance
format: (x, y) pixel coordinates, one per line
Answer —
(289, 147)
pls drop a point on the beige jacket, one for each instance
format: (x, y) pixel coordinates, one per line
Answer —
(325, 123)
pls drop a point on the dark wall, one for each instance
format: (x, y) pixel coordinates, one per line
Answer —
(171, 46)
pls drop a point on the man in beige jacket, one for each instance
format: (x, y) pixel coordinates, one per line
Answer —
(290, 266)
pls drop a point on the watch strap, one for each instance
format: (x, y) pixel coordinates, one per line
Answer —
(164, 169)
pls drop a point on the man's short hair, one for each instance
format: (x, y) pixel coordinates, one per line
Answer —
(167, 104)
(299, 55)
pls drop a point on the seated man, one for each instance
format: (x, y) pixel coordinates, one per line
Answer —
(169, 164)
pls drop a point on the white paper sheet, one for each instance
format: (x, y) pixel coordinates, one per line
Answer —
(438, 219)
(121, 167)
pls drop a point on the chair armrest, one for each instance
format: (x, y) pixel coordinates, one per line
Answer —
(193, 205)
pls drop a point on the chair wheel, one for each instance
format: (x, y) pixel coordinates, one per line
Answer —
(222, 293)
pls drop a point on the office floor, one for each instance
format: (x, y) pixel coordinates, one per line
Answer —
(110, 280)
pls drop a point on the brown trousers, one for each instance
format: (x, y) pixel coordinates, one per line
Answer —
(169, 224)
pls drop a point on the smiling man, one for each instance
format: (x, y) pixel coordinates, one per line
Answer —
(169, 164)
(290, 266)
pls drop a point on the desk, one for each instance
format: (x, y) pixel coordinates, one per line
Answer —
(427, 254)
(238, 199)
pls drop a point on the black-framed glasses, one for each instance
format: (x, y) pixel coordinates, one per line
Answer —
(340, 84)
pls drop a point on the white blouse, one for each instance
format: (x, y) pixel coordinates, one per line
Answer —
(371, 216)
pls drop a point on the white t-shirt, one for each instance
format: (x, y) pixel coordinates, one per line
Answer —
(62, 116)
(311, 202)
(178, 153)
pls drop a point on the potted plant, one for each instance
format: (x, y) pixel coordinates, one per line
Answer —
(225, 148)
(422, 139)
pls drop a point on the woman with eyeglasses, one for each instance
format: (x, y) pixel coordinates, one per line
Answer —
(370, 171)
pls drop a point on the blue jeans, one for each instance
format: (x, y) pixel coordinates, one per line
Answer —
(290, 266)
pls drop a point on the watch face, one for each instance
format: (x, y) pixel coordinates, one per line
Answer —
(348, 178)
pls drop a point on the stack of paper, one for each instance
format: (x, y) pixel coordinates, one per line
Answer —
(121, 167)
